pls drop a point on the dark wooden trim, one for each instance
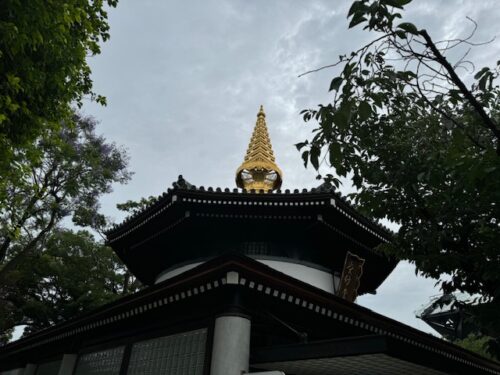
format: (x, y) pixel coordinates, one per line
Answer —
(355, 346)
(126, 359)
(312, 195)
(321, 349)
(76, 364)
(258, 273)
(209, 347)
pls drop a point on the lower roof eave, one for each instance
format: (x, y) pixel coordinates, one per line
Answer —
(263, 284)
(371, 354)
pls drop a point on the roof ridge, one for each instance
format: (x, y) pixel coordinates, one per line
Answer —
(182, 185)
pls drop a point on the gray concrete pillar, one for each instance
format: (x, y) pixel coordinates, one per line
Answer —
(67, 364)
(231, 346)
(30, 369)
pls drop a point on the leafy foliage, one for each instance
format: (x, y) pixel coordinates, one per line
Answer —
(73, 274)
(43, 68)
(422, 148)
(477, 344)
(134, 207)
(53, 165)
(73, 166)
(61, 175)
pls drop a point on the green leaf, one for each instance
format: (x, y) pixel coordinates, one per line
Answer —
(306, 115)
(314, 156)
(342, 117)
(455, 94)
(335, 84)
(356, 21)
(377, 99)
(335, 154)
(364, 110)
(396, 3)
(305, 157)
(481, 72)
(400, 33)
(409, 28)
(348, 68)
(300, 145)
(13, 81)
(356, 7)
(482, 82)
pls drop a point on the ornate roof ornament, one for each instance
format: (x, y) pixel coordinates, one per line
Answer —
(259, 170)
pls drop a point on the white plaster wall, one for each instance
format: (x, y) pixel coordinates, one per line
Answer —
(313, 276)
(320, 279)
(177, 271)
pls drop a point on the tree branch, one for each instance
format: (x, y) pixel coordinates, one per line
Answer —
(9, 266)
(364, 48)
(487, 120)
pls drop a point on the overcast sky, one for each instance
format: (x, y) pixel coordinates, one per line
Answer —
(184, 80)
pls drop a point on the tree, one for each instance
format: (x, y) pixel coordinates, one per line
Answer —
(43, 68)
(476, 344)
(72, 168)
(134, 207)
(422, 148)
(72, 275)
(61, 175)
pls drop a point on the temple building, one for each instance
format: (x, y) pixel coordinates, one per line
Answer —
(450, 315)
(246, 280)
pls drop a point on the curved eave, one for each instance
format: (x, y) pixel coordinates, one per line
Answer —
(159, 306)
(278, 198)
(149, 249)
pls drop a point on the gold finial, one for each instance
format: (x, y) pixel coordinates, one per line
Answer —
(261, 111)
(259, 170)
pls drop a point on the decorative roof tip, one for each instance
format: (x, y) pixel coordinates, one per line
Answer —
(261, 111)
(181, 183)
(259, 170)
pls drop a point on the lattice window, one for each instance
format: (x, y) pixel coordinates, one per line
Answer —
(180, 354)
(256, 248)
(105, 362)
(48, 368)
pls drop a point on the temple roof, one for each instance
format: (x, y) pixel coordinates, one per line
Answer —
(181, 185)
(189, 224)
(335, 326)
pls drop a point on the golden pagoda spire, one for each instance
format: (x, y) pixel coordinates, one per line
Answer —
(259, 170)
